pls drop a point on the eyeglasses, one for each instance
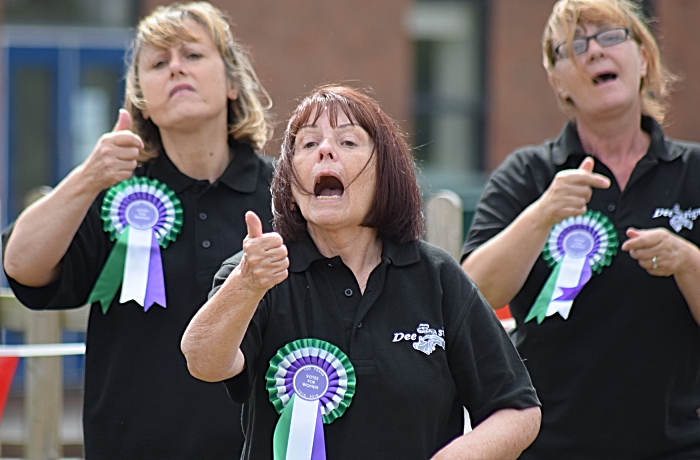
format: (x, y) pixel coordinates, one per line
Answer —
(604, 38)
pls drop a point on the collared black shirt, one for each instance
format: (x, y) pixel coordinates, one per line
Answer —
(140, 400)
(620, 378)
(407, 403)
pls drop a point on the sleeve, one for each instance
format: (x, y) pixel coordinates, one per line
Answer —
(487, 369)
(80, 267)
(518, 182)
(224, 271)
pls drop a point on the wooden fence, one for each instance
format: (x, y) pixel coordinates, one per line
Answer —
(43, 386)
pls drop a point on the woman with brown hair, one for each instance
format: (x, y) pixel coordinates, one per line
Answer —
(343, 317)
(140, 228)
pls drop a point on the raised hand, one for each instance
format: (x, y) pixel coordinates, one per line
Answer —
(264, 262)
(114, 157)
(569, 193)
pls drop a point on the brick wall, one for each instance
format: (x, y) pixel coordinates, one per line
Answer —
(298, 44)
(522, 107)
(679, 38)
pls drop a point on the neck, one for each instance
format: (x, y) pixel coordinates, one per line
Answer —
(619, 143)
(359, 247)
(202, 154)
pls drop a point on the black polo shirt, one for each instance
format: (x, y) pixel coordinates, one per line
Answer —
(140, 400)
(407, 404)
(620, 379)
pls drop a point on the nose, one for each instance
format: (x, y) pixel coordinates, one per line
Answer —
(594, 50)
(176, 65)
(326, 151)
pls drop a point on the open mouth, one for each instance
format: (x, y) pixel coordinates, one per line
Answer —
(328, 187)
(603, 78)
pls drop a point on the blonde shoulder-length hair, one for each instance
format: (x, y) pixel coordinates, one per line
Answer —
(566, 14)
(248, 117)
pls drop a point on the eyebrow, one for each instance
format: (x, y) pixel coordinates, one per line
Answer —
(346, 125)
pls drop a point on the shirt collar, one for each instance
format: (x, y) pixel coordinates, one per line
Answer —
(241, 174)
(569, 145)
(303, 252)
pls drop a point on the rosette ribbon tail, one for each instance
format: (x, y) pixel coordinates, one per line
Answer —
(155, 287)
(299, 432)
(110, 277)
(539, 308)
(136, 266)
(567, 279)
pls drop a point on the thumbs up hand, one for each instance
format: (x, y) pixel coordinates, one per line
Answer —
(264, 262)
(114, 157)
(570, 191)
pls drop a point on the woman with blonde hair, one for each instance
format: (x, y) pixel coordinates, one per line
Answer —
(591, 240)
(139, 229)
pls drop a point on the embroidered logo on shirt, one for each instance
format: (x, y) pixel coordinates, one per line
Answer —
(427, 341)
(677, 218)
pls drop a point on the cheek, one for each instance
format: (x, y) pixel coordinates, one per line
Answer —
(302, 169)
(149, 90)
(296, 196)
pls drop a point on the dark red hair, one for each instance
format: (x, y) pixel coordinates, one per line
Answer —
(397, 209)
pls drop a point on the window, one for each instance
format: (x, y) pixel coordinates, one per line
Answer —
(102, 13)
(448, 91)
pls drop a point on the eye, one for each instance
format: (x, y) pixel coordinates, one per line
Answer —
(194, 55)
(348, 143)
(305, 143)
(158, 64)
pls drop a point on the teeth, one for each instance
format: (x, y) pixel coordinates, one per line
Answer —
(329, 197)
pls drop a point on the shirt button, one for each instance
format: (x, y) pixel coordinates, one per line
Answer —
(611, 207)
(202, 216)
(348, 292)
(206, 243)
(359, 325)
(330, 265)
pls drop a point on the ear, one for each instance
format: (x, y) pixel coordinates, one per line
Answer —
(232, 92)
(145, 114)
(643, 61)
(558, 87)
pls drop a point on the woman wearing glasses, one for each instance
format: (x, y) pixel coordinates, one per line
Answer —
(591, 239)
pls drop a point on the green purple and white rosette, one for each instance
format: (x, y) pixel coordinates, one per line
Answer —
(310, 382)
(577, 248)
(141, 215)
